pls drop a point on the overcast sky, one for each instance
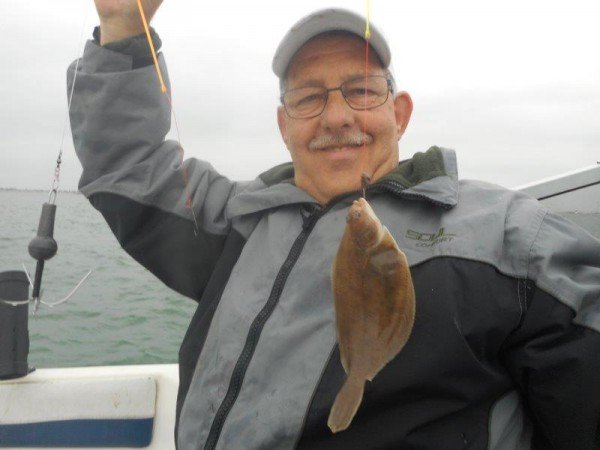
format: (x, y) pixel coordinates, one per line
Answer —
(512, 86)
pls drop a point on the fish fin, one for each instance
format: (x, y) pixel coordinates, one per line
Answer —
(346, 404)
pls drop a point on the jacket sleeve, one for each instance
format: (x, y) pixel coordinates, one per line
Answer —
(554, 355)
(136, 178)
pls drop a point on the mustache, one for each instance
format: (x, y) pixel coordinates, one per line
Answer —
(340, 140)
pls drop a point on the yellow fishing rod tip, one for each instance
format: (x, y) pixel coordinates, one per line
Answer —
(368, 34)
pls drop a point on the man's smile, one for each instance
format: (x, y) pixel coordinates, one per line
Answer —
(340, 140)
(341, 148)
(346, 152)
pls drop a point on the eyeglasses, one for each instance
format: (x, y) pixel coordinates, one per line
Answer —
(360, 93)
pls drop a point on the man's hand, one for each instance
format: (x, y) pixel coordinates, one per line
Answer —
(120, 19)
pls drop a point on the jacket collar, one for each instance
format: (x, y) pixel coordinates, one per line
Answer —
(429, 176)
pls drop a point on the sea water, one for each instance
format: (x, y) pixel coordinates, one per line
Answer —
(121, 314)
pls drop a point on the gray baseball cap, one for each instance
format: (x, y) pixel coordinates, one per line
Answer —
(322, 21)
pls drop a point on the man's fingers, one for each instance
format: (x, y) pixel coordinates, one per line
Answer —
(125, 9)
(120, 19)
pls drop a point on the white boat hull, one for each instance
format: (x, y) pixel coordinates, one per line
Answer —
(72, 396)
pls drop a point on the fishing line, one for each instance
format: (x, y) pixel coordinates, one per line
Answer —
(365, 176)
(164, 90)
(56, 181)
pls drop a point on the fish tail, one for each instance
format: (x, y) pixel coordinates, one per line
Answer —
(346, 404)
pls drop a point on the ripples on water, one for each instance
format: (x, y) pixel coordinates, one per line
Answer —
(121, 315)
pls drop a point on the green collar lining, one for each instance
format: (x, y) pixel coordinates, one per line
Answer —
(421, 167)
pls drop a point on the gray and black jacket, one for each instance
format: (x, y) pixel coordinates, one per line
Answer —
(505, 352)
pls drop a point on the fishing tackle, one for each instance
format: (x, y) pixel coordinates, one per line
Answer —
(43, 246)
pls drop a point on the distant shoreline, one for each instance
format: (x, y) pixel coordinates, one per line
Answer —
(60, 191)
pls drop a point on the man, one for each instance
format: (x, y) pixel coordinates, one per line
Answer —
(504, 350)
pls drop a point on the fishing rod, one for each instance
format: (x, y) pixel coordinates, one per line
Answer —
(43, 246)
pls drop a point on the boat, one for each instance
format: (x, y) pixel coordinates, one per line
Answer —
(134, 406)
(574, 195)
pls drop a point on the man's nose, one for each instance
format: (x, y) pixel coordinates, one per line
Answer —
(337, 113)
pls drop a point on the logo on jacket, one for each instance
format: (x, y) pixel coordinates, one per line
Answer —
(429, 239)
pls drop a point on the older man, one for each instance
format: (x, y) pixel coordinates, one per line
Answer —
(504, 350)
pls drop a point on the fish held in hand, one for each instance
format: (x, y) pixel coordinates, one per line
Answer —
(374, 306)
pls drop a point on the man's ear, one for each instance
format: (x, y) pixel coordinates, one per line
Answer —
(282, 122)
(403, 107)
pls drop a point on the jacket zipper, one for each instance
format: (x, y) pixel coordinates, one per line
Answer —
(259, 322)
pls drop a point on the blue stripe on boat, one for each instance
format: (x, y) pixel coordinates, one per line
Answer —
(79, 433)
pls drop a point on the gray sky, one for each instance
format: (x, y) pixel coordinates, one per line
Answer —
(513, 86)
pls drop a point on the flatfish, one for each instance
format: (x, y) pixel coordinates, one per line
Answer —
(374, 306)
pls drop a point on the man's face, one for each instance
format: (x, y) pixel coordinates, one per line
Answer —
(325, 170)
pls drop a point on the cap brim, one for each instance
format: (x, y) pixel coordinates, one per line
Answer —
(332, 19)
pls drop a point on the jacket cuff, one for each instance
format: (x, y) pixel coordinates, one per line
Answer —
(136, 46)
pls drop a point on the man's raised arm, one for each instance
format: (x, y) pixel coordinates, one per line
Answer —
(119, 119)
